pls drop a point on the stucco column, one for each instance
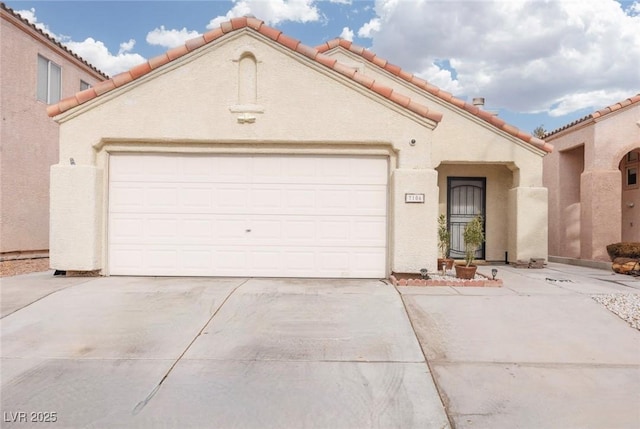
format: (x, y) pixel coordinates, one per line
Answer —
(600, 193)
(528, 223)
(413, 235)
(75, 218)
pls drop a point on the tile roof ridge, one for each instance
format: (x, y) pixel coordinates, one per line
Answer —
(434, 90)
(53, 40)
(598, 113)
(228, 27)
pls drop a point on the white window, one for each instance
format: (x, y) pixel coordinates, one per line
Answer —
(49, 81)
(84, 85)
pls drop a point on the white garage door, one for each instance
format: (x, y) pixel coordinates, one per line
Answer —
(269, 216)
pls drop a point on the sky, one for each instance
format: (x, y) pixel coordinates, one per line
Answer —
(536, 62)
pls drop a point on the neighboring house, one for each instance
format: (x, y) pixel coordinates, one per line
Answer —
(594, 188)
(247, 153)
(35, 71)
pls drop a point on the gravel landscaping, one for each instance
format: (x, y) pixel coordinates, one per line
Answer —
(23, 266)
(625, 306)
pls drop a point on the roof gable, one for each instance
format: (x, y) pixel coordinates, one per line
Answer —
(237, 24)
(434, 90)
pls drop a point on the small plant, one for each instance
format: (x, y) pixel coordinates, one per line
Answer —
(473, 238)
(444, 237)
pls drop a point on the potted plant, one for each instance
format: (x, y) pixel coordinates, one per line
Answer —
(444, 240)
(473, 238)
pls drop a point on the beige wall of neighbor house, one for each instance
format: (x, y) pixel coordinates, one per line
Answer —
(590, 203)
(203, 103)
(28, 137)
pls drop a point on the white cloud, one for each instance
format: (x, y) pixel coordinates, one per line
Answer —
(97, 54)
(170, 38)
(93, 51)
(528, 56)
(126, 46)
(369, 29)
(272, 11)
(595, 99)
(347, 34)
(30, 15)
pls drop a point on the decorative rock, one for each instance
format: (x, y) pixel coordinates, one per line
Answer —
(629, 266)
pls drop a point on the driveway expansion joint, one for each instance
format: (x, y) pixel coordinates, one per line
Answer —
(140, 405)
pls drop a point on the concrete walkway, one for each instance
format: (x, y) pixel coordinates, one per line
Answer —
(536, 353)
(261, 353)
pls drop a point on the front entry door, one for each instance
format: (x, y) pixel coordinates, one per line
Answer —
(466, 199)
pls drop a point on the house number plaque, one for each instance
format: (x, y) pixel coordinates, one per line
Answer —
(414, 198)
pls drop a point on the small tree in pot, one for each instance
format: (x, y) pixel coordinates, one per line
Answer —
(444, 242)
(473, 238)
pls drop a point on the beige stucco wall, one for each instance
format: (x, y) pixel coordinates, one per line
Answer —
(186, 107)
(28, 137)
(191, 105)
(588, 208)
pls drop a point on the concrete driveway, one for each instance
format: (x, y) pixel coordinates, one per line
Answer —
(259, 353)
(211, 353)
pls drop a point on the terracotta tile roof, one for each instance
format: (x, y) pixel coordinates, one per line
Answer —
(235, 24)
(598, 114)
(52, 40)
(432, 89)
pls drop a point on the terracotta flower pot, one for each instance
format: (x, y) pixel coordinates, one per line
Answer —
(448, 262)
(464, 272)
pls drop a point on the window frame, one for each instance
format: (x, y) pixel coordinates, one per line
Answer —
(631, 164)
(49, 97)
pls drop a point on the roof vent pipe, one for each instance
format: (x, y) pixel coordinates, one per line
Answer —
(478, 101)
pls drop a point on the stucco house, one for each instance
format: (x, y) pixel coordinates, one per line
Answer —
(594, 188)
(247, 153)
(35, 70)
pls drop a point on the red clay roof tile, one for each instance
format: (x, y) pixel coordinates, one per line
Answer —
(254, 23)
(226, 27)
(395, 70)
(104, 86)
(269, 32)
(158, 61)
(195, 43)
(307, 51)
(212, 35)
(86, 95)
(177, 52)
(122, 79)
(240, 22)
(363, 79)
(53, 110)
(399, 98)
(140, 70)
(381, 89)
(326, 60)
(345, 70)
(287, 41)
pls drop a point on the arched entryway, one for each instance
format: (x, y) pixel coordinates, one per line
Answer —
(630, 202)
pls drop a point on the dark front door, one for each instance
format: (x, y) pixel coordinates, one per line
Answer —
(466, 199)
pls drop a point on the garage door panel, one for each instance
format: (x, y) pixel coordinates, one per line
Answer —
(247, 215)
